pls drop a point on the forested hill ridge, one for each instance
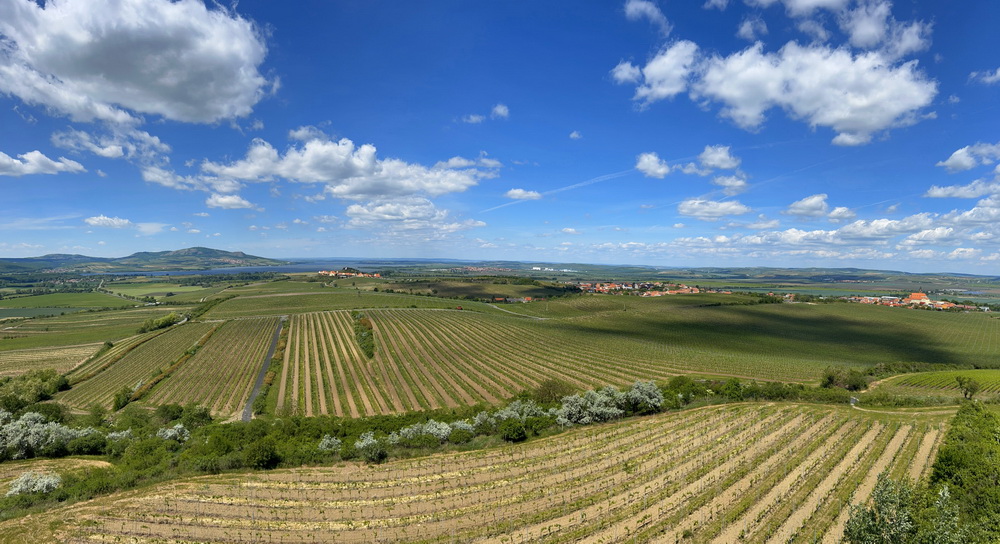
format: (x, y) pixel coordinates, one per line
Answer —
(192, 258)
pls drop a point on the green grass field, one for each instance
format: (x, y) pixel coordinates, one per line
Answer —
(77, 328)
(67, 300)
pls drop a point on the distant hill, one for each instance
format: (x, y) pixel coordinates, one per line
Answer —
(192, 258)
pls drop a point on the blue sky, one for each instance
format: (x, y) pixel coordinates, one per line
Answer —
(839, 133)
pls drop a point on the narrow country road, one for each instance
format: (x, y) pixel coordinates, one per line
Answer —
(248, 409)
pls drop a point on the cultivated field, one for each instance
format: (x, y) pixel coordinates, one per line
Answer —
(61, 359)
(67, 300)
(78, 328)
(132, 365)
(944, 383)
(221, 375)
(331, 299)
(752, 473)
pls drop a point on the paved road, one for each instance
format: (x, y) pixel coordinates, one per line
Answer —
(248, 409)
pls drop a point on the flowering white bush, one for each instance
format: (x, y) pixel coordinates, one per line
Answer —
(31, 435)
(644, 397)
(177, 432)
(34, 482)
(120, 435)
(329, 443)
(371, 448)
(591, 407)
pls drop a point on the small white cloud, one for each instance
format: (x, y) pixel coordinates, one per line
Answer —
(500, 111)
(763, 223)
(752, 29)
(718, 156)
(626, 72)
(149, 229)
(108, 222)
(644, 9)
(841, 213)
(717, 4)
(568, 230)
(575, 135)
(731, 185)
(201, 214)
(810, 206)
(679, 225)
(710, 210)
(34, 162)
(193, 231)
(228, 202)
(971, 156)
(306, 133)
(473, 119)
(988, 77)
(651, 165)
(522, 194)
(963, 253)
(976, 189)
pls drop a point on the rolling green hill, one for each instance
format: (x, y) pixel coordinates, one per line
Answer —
(192, 258)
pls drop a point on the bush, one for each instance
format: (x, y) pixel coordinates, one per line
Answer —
(262, 454)
(177, 432)
(330, 443)
(370, 448)
(34, 482)
(512, 430)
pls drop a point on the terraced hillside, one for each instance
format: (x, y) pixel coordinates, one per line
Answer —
(750, 473)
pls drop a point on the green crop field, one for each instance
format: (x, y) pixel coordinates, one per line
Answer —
(77, 328)
(132, 368)
(67, 300)
(944, 382)
(328, 299)
(742, 473)
(151, 289)
(221, 375)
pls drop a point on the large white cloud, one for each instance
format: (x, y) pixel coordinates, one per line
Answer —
(666, 74)
(855, 95)
(104, 59)
(35, 162)
(645, 9)
(352, 172)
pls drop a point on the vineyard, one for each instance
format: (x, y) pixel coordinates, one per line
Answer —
(945, 381)
(78, 328)
(752, 473)
(332, 299)
(220, 376)
(432, 359)
(133, 364)
(61, 359)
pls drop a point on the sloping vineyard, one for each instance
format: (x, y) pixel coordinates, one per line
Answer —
(60, 359)
(432, 359)
(988, 379)
(220, 376)
(137, 366)
(751, 473)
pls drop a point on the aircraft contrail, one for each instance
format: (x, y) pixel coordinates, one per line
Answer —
(591, 181)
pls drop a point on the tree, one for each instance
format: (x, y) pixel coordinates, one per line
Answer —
(889, 519)
(968, 386)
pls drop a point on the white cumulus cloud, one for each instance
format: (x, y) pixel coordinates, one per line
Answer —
(810, 206)
(35, 162)
(710, 210)
(229, 202)
(102, 59)
(651, 165)
(523, 194)
(108, 222)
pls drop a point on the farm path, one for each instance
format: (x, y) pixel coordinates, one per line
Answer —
(517, 314)
(248, 409)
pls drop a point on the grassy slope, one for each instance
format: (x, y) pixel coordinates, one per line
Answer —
(78, 328)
